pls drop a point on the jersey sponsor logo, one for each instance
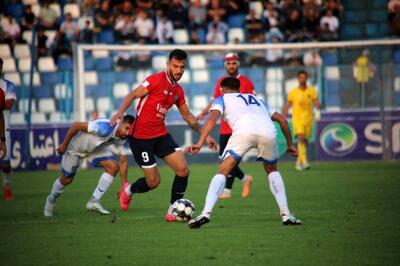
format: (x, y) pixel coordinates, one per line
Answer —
(338, 139)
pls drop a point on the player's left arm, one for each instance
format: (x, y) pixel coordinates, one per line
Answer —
(208, 127)
(281, 120)
(123, 168)
(191, 120)
(10, 103)
(317, 107)
(73, 130)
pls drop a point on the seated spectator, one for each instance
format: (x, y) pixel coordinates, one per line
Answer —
(215, 36)
(28, 18)
(70, 28)
(194, 37)
(126, 8)
(144, 27)
(234, 7)
(41, 47)
(312, 60)
(331, 20)
(164, 30)
(197, 14)
(285, 8)
(89, 7)
(326, 35)
(271, 16)
(178, 14)
(61, 47)
(394, 17)
(124, 28)
(335, 6)
(104, 16)
(11, 31)
(273, 33)
(256, 57)
(47, 17)
(254, 27)
(86, 35)
(293, 58)
(293, 25)
(311, 6)
(146, 5)
(142, 59)
(216, 8)
(218, 24)
(311, 24)
(124, 60)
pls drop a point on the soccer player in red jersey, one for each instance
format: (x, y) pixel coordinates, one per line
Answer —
(150, 137)
(231, 61)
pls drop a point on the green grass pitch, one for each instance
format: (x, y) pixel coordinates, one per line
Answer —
(350, 212)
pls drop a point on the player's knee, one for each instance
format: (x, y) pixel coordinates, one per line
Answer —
(182, 171)
(66, 180)
(269, 168)
(153, 183)
(113, 170)
(6, 168)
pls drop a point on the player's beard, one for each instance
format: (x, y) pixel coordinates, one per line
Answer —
(174, 77)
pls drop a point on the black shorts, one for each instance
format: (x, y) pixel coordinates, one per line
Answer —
(223, 141)
(145, 150)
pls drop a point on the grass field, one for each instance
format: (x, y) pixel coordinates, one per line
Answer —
(350, 213)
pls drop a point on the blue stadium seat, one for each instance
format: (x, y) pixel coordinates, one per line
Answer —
(100, 91)
(126, 76)
(89, 63)
(256, 74)
(332, 100)
(330, 58)
(106, 36)
(202, 88)
(42, 92)
(236, 21)
(106, 77)
(351, 32)
(64, 63)
(15, 10)
(372, 30)
(379, 4)
(355, 16)
(332, 87)
(397, 70)
(216, 62)
(48, 78)
(396, 56)
(383, 29)
(202, 35)
(215, 74)
(105, 63)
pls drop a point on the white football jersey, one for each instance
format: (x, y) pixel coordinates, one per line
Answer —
(99, 134)
(246, 114)
(10, 94)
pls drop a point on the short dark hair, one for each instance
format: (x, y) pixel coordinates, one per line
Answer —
(302, 72)
(1, 61)
(129, 119)
(178, 54)
(231, 83)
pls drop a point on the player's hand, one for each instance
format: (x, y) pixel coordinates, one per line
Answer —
(292, 150)
(317, 115)
(194, 149)
(3, 150)
(62, 149)
(114, 119)
(212, 144)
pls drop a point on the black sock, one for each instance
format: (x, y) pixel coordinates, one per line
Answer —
(178, 188)
(140, 186)
(229, 182)
(237, 172)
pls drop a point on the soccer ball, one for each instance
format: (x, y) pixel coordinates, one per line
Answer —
(183, 210)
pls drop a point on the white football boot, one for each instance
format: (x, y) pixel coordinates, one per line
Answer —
(290, 220)
(200, 220)
(48, 207)
(96, 207)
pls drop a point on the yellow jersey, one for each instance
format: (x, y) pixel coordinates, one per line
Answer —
(302, 104)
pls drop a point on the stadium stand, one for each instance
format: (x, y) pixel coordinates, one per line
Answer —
(106, 82)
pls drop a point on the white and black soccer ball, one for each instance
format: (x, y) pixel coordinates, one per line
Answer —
(183, 210)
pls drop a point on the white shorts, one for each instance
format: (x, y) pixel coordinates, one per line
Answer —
(120, 149)
(71, 161)
(238, 145)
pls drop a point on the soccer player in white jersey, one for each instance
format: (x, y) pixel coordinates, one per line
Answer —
(8, 89)
(252, 127)
(89, 140)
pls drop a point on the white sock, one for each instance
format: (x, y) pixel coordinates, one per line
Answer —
(104, 183)
(6, 179)
(56, 190)
(128, 190)
(244, 179)
(228, 191)
(215, 189)
(278, 190)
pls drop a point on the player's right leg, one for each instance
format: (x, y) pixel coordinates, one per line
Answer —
(5, 164)
(69, 165)
(143, 153)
